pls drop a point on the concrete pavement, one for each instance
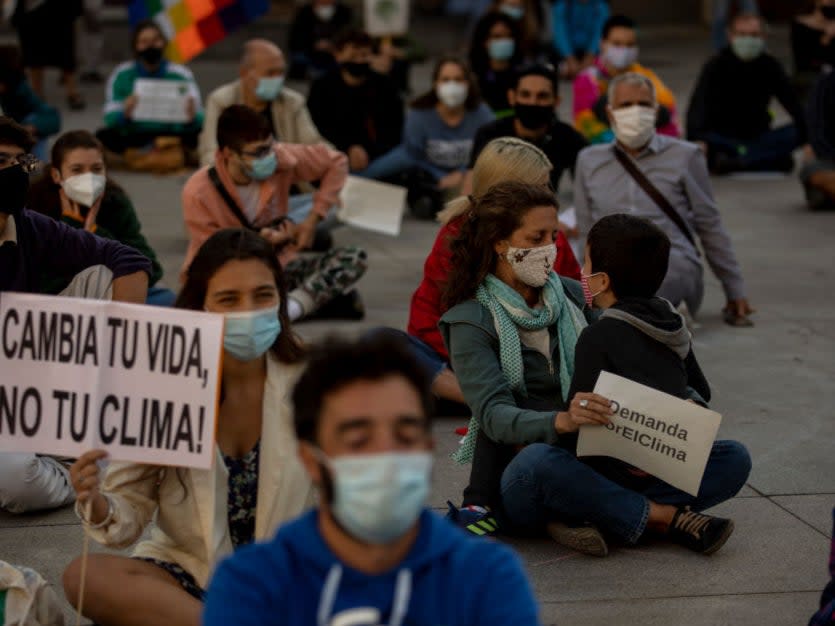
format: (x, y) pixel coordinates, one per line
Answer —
(772, 383)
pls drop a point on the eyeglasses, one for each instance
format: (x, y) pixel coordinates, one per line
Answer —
(261, 151)
(29, 162)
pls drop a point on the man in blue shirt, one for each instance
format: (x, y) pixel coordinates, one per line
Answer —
(371, 553)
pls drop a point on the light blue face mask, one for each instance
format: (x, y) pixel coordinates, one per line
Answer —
(747, 48)
(264, 167)
(249, 334)
(512, 11)
(268, 89)
(378, 497)
(501, 49)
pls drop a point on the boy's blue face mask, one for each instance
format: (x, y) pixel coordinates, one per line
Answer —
(263, 167)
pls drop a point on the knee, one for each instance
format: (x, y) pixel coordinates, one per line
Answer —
(534, 464)
(738, 460)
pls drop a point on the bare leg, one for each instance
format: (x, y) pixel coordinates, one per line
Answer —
(36, 78)
(446, 386)
(127, 592)
(660, 516)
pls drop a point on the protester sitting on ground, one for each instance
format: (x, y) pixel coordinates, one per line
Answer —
(534, 99)
(312, 37)
(503, 159)
(249, 186)
(643, 338)
(261, 87)
(577, 26)
(19, 101)
(813, 44)
(79, 193)
(356, 109)
(199, 516)
(529, 17)
(437, 139)
(618, 56)
(495, 54)
(677, 196)
(721, 12)
(826, 615)
(729, 110)
(31, 246)
(372, 552)
(818, 173)
(124, 135)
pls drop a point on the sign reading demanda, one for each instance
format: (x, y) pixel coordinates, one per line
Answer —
(668, 437)
(138, 381)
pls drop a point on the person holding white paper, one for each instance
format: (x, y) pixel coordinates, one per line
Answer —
(199, 516)
(642, 338)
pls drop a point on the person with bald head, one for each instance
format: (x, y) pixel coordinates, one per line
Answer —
(260, 86)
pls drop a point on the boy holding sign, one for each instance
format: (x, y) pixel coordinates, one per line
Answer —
(642, 338)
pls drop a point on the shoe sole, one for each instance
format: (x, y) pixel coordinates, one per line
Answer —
(723, 538)
(586, 540)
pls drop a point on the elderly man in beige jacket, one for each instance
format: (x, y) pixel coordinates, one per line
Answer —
(260, 87)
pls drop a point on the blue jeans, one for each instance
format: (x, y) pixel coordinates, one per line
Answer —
(160, 296)
(721, 11)
(430, 361)
(544, 483)
(763, 153)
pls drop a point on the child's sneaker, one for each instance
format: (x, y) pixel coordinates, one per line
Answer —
(699, 532)
(585, 539)
(474, 519)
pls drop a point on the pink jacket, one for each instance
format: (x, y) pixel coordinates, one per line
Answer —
(205, 211)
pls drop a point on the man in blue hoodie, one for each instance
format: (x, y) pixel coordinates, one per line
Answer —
(371, 553)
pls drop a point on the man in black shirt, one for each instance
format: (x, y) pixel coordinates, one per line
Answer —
(729, 110)
(356, 109)
(534, 100)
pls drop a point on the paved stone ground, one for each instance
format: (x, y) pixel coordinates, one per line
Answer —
(772, 383)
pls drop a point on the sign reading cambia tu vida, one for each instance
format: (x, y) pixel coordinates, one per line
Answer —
(138, 381)
(663, 435)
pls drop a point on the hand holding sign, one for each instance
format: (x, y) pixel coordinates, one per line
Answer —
(85, 476)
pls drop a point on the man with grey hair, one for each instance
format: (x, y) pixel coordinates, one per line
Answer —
(665, 180)
(260, 86)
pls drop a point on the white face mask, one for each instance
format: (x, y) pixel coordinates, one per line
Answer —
(620, 57)
(326, 12)
(634, 125)
(452, 93)
(84, 189)
(532, 265)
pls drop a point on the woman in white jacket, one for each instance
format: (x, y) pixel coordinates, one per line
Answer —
(257, 481)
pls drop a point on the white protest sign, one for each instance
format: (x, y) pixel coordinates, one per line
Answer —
(384, 18)
(372, 205)
(668, 437)
(138, 381)
(160, 100)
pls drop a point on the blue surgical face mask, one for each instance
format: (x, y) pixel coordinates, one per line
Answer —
(378, 497)
(263, 167)
(747, 48)
(512, 11)
(501, 49)
(268, 89)
(249, 334)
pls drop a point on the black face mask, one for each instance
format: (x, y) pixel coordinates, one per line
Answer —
(152, 56)
(828, 12)
(357, 70)
(14, 187)
(534, 116)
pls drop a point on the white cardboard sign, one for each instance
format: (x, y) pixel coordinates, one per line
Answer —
(160, 100)
(138, 381)
(372, 205)
(668, 437)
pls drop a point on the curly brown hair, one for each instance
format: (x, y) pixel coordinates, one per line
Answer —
(493, 218)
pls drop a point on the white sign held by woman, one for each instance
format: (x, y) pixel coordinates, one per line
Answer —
(663, 435)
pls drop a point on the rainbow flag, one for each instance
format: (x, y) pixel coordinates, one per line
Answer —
(191, 26)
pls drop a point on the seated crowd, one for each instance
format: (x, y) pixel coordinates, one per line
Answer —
(317, 509)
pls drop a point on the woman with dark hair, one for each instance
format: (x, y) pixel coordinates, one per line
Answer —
(437, 138)
(495, 53)
(79, 193)
(199, 516)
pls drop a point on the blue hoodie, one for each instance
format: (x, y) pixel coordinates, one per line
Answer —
(448, 578)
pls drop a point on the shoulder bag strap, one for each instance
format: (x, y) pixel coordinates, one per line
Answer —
(228, 199)
(652, 191)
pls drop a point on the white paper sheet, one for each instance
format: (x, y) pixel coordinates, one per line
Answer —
(160, 100)
(668, 437)
(372, 205)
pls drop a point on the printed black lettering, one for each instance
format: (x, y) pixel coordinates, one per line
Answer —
(66, 345)
(60, 396)
(30, 430)
(47, 336)
(114, 324)
(90, 343)
(9, 349)
(159, 425)
(184, 431)
(27, 341)
(8, 408)
(194, 357)
(156, 344)
(110, 400)
(176, 350)
(125, 439)
(128, 346)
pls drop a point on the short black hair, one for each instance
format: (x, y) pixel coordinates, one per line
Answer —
(352, 37)
(144, 25)
(238, 125)
(13, 134)
(544, 70)
(617, 21)
(337, 362)
(633, 251)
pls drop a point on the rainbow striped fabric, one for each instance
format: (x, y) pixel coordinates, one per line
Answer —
(191, 26)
